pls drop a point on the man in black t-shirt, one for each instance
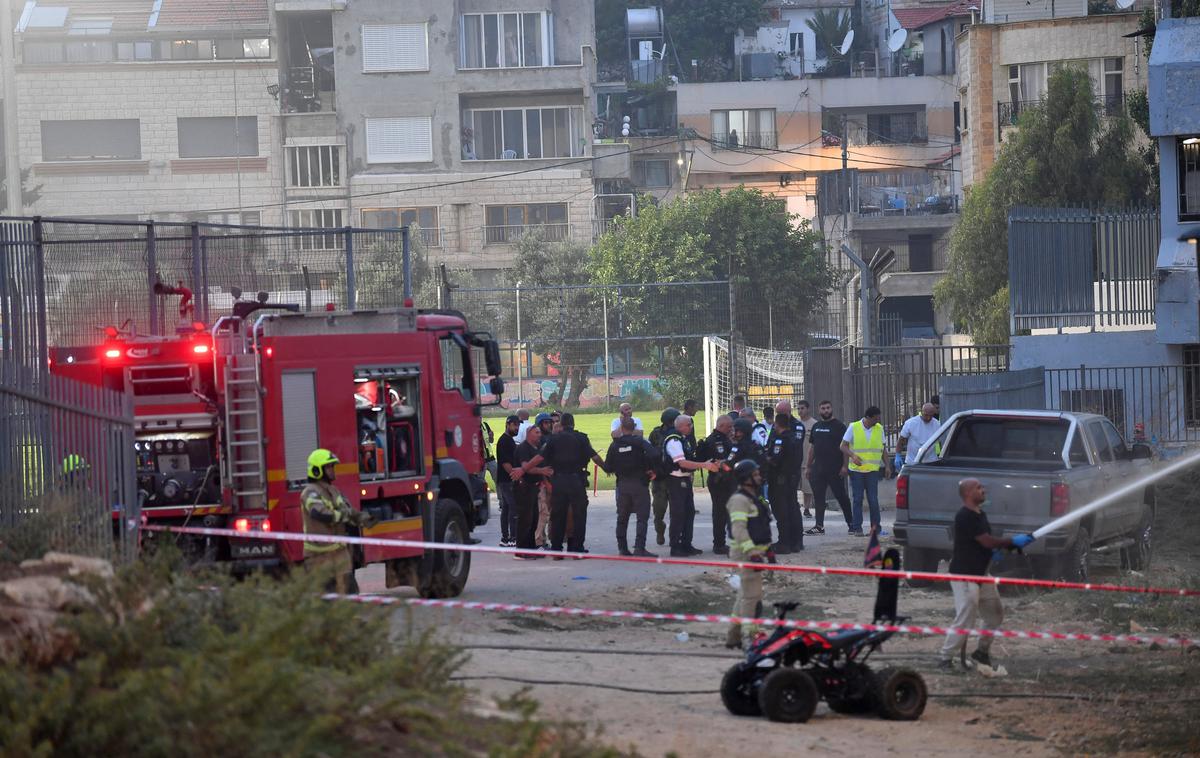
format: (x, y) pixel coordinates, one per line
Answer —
(825, 465)
(506, 449)
(526, 487)
(973, 548)
(568, 453)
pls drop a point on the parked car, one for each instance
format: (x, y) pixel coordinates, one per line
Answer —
(1036, 466)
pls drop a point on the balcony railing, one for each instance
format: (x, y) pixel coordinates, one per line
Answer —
(508, 234)
(433, 236)
(1008, 113)
(733, 140)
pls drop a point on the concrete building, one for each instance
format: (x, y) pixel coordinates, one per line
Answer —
(429, 112)
(1005, 66)
(148, 108)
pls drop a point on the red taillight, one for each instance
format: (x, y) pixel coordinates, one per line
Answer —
(270, 351)
(241, 525)
(265, 525)
(902, 492)
(200, 349)
(112, 354)
(1060, 499)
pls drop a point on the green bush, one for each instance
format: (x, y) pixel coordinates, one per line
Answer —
(172, 665)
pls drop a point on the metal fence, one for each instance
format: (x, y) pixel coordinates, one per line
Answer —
(1070, 267)
(1023, 388)
(1165, 400)
(85, 274)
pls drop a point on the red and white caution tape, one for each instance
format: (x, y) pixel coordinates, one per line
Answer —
(784, 567)
(712, 618)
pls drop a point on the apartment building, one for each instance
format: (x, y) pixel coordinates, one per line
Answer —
(1005, 67)
(412, 114)
(148, 109)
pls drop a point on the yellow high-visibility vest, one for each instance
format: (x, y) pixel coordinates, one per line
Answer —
(867, 444)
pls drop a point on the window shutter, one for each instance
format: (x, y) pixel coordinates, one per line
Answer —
(400, 140)
(394, 47)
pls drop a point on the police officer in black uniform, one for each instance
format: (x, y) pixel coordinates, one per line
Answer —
(568, 453)
(630, 458)
(742, 446)
(721, 483)
(783, 461)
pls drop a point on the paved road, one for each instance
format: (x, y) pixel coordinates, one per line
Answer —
(500, 578)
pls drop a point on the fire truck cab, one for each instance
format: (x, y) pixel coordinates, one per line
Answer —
(226, 418)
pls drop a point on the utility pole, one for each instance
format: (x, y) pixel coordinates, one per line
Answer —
(15, 205)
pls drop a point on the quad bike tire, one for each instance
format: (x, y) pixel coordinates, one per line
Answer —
(737, 691)
(900, 694)
(450, 568)
(789, 695)
(860, 692)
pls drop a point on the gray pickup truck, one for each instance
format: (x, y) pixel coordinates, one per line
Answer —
(1036, 466)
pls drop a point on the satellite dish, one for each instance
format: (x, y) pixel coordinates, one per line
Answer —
(898, 38)
(1124, 3)
(847, 42)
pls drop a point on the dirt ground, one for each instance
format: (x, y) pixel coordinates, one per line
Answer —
(648, 691)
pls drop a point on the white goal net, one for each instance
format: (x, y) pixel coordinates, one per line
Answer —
(763, 376)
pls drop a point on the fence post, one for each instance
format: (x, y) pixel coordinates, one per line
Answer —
(520, 358)
(151, 274)
(407, 255)
(39, 288)
(607, 364)
(198, 302)
(350, 298)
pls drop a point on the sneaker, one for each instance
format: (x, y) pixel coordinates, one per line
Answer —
(642, 552)
(979, 656)
(857, 533)
(679, 552)
(693, 551)
(807, 513)
(816, 530)
(721, 549)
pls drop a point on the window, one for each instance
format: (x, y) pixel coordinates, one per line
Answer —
(456, 364)
(1114, 86)
(506, 223)
(505, 40)
(218, 137)
(895, 128)
(395, 47)
(314, 166)
(920, 252)
(653, 173)
(1100, 442)
(135, 51)
(88, 26)
(317, 218)
(796, 44)
(407, 139)
(1114, 441)
(222, 48)
(91, 140)
(425, 218)
(256, 48)
(1078, 455)
(189, 49)
(744, 128)
(387, 406)
(518, 133)
(1188, 149)
(959, 122)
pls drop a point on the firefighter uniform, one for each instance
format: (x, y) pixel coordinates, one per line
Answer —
(721, 485)
(326, 512)
(750, 524)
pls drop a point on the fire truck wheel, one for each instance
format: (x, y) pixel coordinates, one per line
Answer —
(450, 567)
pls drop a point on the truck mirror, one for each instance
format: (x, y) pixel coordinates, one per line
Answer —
(491, 359)
(1141, 452)
(496, 386)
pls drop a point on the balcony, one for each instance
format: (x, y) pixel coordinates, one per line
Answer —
(508, 234)
(1008, 113)
(732, 140)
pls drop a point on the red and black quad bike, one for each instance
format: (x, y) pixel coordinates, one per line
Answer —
(788, 671)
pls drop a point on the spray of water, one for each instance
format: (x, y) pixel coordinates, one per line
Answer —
(1137, 485)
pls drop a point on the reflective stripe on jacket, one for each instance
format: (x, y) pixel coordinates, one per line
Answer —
(323, 497)
(750, 525)
(867, 444)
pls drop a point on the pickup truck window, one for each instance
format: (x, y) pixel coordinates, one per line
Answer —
(1115, 441)
(1008, 439)
(1100, 441)
(1078, 455)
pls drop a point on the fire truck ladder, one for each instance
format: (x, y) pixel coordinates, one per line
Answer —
(243, 432)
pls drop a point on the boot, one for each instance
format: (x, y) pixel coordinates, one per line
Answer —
(642, 552)
(623, 548)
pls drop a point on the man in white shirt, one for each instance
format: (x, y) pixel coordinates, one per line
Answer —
(522, 414)
(917, 431)
(682, 454)
(626, 412)
(761, 430)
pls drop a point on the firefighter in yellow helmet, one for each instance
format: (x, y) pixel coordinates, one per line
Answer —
(750, 525)
(327, 512)
(75, 471)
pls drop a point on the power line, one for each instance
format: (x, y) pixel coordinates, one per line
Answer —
(796, 151)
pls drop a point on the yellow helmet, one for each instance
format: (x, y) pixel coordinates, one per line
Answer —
(74, 463)
(318, 460)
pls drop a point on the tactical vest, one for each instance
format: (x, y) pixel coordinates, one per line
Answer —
(867, 444)
(689, 451)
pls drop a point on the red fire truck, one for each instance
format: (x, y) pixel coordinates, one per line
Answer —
(226, 417)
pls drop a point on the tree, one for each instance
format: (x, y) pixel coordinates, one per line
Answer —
(554, 320)
(830, 26)
(768, 255)
(379, 271)
(1062, 154)
(30, 193)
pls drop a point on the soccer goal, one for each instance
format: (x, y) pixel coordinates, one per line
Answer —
(763, 376)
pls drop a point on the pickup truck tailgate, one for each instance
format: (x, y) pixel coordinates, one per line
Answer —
(1021, 501)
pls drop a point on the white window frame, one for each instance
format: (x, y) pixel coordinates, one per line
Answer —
(546, 27)
(317, 218)
(392, 42)
(575, 127)
(322, 164)
(379, 155)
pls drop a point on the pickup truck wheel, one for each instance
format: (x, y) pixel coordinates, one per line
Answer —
(450, 567)
(1075, 560)
(1136, 557)
(918, 559)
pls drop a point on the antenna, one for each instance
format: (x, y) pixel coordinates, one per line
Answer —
(847, 42)
(898, 38)
(1124, 3)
